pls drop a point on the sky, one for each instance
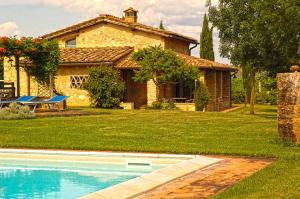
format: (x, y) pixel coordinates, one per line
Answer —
(38, 17)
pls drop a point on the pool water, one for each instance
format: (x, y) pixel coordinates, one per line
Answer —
(35, 179)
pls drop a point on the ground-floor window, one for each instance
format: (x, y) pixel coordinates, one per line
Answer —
(78, 81)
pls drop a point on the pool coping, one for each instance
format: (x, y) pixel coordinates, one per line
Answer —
(187, 164)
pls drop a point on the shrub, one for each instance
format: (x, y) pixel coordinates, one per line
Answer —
(201, 96)
(15, 111)
(238, 92)
(105, 87)
(267, 97)
(156, 105)
(164, 105)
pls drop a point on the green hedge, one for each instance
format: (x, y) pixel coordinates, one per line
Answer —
(201, 96)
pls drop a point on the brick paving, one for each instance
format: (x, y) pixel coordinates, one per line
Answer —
(209, 181)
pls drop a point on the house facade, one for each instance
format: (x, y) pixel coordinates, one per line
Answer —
(110, 40)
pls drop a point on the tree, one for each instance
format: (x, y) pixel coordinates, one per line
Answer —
(162, 66)
(40, 57)
(105, 87)
(161, 25)
(206, 41)
(261, 35)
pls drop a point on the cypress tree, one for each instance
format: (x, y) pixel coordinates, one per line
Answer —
(211, 54)
(206, 41)
(161, 25)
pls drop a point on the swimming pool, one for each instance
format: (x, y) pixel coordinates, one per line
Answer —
(54, 176)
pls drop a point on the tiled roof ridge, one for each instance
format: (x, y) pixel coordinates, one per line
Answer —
(98, 48)
(119, 21)
(213, 63)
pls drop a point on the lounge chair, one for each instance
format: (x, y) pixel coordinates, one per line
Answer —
(21, 100)
(53, 101)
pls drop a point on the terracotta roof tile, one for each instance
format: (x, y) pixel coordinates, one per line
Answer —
(204, 63)
(121, 58)
(128, 63)
(93, 55)
(118, 21)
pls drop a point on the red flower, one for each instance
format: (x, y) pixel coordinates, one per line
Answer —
(2, 50)
(23, 38)
(37, 40)
(5, 40)
(18, 42)
(19, 53)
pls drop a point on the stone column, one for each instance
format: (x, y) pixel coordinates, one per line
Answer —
(289, 106)
(151, 92)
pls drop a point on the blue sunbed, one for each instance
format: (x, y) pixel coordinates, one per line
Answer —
(19, 100)
(53, 101)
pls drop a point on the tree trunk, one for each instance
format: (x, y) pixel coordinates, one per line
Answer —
(246, 99)
(252, 97)
(157, 93)
(18, 76)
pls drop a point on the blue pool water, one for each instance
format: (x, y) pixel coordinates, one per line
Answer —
(31, 179)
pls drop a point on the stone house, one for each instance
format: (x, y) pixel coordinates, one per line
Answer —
(111, 41)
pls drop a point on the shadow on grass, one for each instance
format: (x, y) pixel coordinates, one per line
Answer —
(269, 110)
(267, 116)
(71, 113)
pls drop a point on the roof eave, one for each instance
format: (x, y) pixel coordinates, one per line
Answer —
(219, 68)
(85, 63)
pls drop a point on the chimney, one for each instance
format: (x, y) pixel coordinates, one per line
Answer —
(131, 15)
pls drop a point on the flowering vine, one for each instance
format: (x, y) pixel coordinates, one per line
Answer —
(40, 57)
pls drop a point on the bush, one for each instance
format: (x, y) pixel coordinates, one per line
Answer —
(156, 105)
(15, 111)
(105, 87)
(238, 93)
(164, 105)
(201, 96)
(268, 88)
(267, 97)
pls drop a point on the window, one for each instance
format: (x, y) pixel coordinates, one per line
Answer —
(71, 43)
(77, 82)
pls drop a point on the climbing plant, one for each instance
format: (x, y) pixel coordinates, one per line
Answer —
(39, 57)
(163, 66)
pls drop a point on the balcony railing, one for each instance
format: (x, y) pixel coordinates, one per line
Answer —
(7, 90)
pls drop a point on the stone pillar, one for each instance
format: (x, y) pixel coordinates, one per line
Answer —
(151, 92)
(289, 106)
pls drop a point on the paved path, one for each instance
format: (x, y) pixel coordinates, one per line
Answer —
(210, 181)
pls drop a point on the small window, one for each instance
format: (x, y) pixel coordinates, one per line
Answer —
(77, 82)
(71, 43)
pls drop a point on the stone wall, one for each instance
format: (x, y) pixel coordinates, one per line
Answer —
(76, 97)
(10, 75)
(151, 92)
(289, 106)
(186, 106)
(104, 35)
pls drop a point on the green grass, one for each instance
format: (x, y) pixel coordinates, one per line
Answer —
(236, 133)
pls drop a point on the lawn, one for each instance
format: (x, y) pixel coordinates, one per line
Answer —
(236, 133)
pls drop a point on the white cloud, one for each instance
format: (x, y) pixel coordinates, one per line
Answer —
(9, 29)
